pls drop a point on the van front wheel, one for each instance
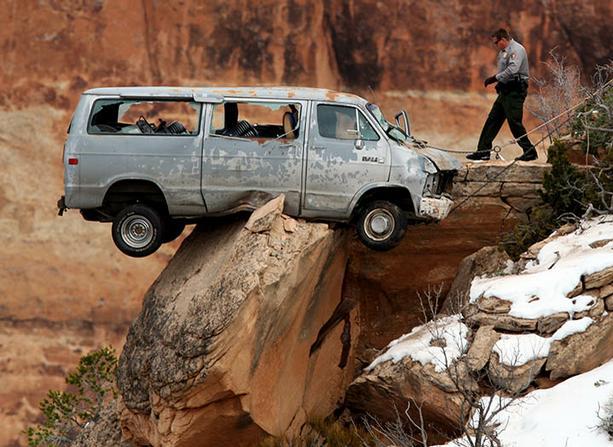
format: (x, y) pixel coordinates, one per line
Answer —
(381, 225)
(138, 230)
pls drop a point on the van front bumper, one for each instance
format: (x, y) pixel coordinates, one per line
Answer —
(435, 208)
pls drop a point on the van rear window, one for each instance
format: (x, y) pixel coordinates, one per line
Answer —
(145, 117)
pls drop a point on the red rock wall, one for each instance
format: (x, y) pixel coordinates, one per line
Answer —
(51, 49)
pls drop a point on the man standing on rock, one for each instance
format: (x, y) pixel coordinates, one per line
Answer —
(512, 88)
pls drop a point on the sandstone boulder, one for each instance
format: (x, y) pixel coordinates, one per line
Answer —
(481, 348)
(606, 291)
(245, 333)
(599, 279)
(502, 322)
(513, 379)
(484, 262)
(391, 388)
(582, 352)
(551, 323)
(493, 305)
(425, 370)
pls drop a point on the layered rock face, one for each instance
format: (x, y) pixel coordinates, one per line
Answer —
(245, 333)
(545, 318)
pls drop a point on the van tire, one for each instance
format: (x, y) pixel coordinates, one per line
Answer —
(381, 225)
(172, 229)
(137, 230)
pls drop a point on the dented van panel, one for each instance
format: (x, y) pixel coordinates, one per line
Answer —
(442, 160)
(233, 167)
(213, 151)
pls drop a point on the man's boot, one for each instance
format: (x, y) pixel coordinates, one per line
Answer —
(529, 155)
(479, 155)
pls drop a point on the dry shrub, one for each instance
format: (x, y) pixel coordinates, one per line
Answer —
(605, 418)
(560, 90)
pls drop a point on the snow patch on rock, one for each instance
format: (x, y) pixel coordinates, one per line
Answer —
(517, 350)
(541, 289)
(439, 342)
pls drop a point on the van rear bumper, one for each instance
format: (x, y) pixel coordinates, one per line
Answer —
(61, 206)
(435, 208)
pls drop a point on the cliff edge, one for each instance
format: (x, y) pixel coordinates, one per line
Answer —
(244, 334)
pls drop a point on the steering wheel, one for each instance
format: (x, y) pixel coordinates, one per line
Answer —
(144, 125)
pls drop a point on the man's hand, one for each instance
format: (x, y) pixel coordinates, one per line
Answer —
(489, 81)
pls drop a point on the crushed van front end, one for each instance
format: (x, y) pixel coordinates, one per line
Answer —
(435, 208)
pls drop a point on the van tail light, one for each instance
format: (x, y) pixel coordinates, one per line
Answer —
(73, 161)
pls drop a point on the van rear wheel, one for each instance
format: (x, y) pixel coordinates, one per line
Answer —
(138, 230)
(381, 225)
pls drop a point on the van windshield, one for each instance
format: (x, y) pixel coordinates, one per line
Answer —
(394, 132)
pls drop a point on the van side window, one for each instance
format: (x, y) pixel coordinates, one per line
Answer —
(256, 120)
(341, 123)
(138, 117)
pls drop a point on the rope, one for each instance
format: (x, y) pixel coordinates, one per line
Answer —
(487, 182)
(497, 149)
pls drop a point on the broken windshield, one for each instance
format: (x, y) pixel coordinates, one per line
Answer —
(392, 131)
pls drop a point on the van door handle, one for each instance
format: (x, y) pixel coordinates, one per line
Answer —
(288, 145)
(318, 148)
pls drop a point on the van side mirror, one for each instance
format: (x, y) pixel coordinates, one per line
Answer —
(406, 125)
(359, 144)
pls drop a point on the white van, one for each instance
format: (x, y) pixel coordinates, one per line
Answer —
(150, 159)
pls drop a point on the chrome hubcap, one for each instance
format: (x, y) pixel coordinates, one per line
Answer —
(379, 224)
(137, 231)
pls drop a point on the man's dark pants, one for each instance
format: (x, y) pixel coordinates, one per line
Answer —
(510, 106)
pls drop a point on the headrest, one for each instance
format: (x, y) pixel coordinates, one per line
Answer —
(290, 125)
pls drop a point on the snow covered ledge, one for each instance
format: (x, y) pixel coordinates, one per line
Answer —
(559, 278)
(561, 293)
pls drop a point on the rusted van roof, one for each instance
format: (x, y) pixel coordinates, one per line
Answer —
(218, 94)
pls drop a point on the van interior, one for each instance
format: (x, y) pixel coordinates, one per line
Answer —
(256, 120)
(145, 117)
